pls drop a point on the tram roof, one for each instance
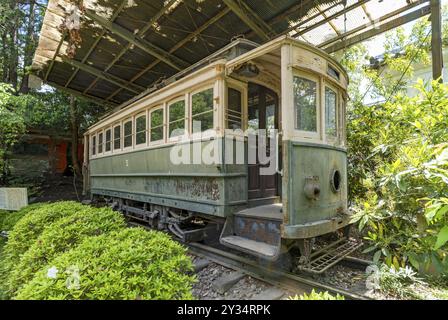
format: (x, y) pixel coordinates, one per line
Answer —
(125, 47)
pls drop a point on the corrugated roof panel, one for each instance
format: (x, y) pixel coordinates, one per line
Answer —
(179, 23)
(320, 34)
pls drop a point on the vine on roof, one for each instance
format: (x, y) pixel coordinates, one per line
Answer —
(72, 25)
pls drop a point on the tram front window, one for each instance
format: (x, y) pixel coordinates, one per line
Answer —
(305, 104)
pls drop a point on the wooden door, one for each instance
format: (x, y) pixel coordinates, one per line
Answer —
(262, 114)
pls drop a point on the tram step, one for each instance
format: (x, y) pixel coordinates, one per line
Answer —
(260, 249)
(324, 259)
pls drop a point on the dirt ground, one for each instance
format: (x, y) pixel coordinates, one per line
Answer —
(58, 189)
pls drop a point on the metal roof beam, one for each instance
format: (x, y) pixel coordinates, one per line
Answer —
(363, 27)
(146, 46)
(103, 75)
(141, 33)
(332, 25)
(329, 18)
(381, 29)
(81, 95)
(249, 17)
(179, 45)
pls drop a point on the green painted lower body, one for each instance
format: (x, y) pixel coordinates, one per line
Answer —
(305, 217)
(149, 176)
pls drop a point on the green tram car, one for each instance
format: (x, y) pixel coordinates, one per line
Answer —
(284, 84)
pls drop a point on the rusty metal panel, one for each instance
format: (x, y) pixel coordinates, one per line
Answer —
(258, 229)
(315, 163)
(13, 198)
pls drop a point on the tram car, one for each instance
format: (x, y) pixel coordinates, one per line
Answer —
(284, 86)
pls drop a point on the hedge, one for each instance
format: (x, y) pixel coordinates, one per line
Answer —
(8, 219)
(29, 228)
(131, 263)
(60, 236)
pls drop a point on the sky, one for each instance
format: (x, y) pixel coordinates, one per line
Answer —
(375, 45)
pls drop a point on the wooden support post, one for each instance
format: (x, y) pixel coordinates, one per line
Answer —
(436, 43)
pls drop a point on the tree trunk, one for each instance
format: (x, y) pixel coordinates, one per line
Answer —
(74, 122)
(30, 45)
(13, 47)
(5, 57)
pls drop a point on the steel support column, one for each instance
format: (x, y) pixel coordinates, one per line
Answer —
(436, 43)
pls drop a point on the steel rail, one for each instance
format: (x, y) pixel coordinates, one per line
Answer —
(273, 276)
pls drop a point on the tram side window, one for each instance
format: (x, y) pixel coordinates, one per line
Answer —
(117, 137)
(234, 109)
(108, 140)
(93, 145)
(128, 134)
(176, 125)
(156, 133)
(202, 110)
(330, 112)
(140, 129)
(100, 142)
(305, 104)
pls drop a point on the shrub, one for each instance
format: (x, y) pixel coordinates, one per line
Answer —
(60, 236)
(128, 264)
(399, 282)
(29, 228)
(317, 296)
(8, 219)
(405, 204)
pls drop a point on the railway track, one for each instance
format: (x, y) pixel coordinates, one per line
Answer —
(273, 276)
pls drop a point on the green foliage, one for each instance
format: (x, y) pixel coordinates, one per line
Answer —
(403, 197)
(127, 264)
(399, 282)
(59, 237)
(66, 250)
(317, 296)
(12, 126)
(29, 228)
(402, 53)
(8, 219)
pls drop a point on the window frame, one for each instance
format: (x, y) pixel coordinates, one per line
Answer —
(186, 99)
(100, 133)
(328, 138)
(208, 132)
(309, 135)
(164, 125)
(130, 119)
(226, 111)
(119, 124)
(94, 145)
(105, 140)
(136, 117)
(343, 119)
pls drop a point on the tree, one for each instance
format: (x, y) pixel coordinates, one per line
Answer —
(12, 126)
(398, 156)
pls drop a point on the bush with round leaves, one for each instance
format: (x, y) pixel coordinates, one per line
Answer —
(60, 236)
(131, 263)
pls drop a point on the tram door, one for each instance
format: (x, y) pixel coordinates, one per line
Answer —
(262, 114)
